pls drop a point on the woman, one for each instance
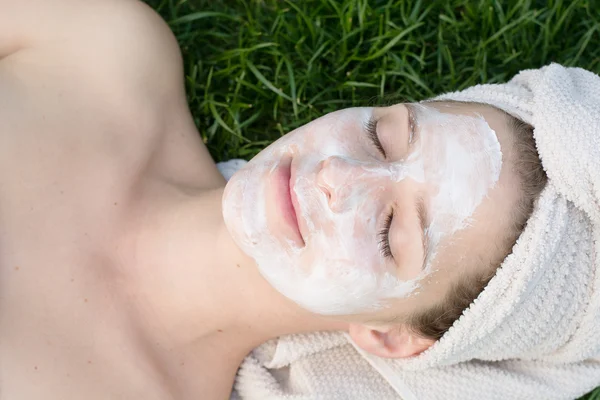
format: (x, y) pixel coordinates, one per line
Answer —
(120, 276)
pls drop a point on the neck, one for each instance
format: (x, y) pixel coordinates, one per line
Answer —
(206, 304)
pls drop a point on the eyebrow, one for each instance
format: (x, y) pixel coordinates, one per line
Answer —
(423, 221)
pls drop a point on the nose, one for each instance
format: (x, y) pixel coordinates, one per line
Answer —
(341, 180)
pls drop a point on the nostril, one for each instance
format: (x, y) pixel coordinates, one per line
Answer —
(325, 189)
(329, 162)
(323, 165)
(327, 179)
(322, 183)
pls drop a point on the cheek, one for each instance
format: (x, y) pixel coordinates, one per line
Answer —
(349, 239)
(364, 234)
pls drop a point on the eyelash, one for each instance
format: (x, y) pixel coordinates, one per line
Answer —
(384, 237)
(411, 124)
(371, 129)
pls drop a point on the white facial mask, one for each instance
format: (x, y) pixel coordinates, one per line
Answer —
(339, 187)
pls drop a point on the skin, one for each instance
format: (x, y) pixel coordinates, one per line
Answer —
(118, 277)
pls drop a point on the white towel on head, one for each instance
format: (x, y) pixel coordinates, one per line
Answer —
(534, 332)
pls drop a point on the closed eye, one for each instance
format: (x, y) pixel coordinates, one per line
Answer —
(384, 237)
(371, 129)
(412, 124)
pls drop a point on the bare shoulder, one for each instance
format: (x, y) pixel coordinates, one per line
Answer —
(74, 68)
(81, 84)
(92, 84)
(122, 41)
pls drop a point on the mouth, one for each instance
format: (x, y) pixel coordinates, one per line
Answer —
(287, 202)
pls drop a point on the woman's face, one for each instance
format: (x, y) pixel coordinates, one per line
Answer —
(355, 209)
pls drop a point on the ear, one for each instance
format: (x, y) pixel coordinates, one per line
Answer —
(389, 342)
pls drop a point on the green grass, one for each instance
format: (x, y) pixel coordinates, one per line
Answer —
(256, 69)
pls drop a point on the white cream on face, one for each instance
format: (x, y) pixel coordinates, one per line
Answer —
(342, 191)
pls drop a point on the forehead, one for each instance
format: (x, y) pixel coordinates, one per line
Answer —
(478, 246)
(475, 247)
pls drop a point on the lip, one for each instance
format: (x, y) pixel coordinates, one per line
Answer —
(286, 198)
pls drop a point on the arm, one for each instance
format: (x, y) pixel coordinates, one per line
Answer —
(89, 62)
(120, 38)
